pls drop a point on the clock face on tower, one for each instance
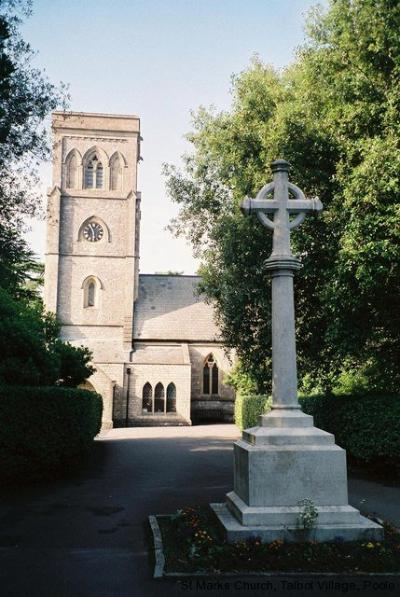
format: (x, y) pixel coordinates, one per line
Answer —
(93, 232)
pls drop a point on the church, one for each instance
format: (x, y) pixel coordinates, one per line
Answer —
(158, 353)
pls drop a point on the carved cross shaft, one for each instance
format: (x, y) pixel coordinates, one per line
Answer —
(282, 265)
(281, 206)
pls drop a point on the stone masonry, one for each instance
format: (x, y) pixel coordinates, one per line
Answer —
(130, 322)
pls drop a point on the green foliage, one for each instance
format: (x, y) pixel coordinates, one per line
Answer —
(240, 380)
(169, 273)
(351, 381)
(334, 114)
(42, 429)
(26, 97)
(31, 352)
(74, 364)
(308, 514)
(45, 430)
(248, 410)
(367, 426)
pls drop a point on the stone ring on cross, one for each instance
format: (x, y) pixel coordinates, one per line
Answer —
(251, 205)
(281, 206)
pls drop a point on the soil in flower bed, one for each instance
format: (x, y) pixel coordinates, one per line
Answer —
(193, 542)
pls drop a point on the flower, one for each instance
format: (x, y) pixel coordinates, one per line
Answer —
(276, 544)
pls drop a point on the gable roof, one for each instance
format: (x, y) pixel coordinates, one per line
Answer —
(169, 308)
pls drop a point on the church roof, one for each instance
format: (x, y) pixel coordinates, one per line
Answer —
(160, 355)
(169, 308)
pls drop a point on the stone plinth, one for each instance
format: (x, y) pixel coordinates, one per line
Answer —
(283, 461)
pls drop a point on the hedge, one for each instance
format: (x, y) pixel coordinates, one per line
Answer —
(249, 408)
(44, 430)
(367, 426)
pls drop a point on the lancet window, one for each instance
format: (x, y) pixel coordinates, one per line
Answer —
(159, 398)
(147, 398)
(171, 398)
(210, 376)
(90, 292)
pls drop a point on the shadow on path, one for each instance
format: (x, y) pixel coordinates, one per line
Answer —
(86, 536)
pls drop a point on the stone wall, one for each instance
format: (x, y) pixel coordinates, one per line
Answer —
(198, 355)
(153, 374)
(106, 381)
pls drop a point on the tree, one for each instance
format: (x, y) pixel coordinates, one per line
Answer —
(26, 97)
(334, 115)
(169, 273)
(31, 352)
(74, 364)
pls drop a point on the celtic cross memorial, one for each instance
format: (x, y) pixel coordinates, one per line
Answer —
(285, 459)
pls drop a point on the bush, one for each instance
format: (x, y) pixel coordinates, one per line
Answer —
(44, 430)
(367, 426)
(249, 408)
(32, 353)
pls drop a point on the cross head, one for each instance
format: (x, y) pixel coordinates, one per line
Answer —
(281, 207)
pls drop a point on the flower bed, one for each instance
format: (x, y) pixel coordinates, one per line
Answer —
(193, 542)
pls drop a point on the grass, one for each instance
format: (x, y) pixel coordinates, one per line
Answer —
(193, 542)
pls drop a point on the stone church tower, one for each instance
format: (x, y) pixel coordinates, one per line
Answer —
(93, 238)
(157, 351)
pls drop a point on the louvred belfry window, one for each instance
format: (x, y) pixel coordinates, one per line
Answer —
(94, 174)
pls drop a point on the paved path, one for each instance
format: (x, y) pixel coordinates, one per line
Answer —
(86, 536)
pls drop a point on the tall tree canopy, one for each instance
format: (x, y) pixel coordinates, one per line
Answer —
(26, 98)
(31, 352)
(334, 115)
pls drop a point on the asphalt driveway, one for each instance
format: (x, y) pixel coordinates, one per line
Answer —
(87, 536)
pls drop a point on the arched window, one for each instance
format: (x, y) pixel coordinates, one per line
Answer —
(90, 292)
(115, 173)
(159, 400)
(147, 398)
(94, 173)
(210, 376)
(72, 171)
(171, 398)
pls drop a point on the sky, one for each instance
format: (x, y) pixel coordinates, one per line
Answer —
(160, 60)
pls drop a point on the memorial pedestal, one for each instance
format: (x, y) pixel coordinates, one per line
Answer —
(277, 465)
